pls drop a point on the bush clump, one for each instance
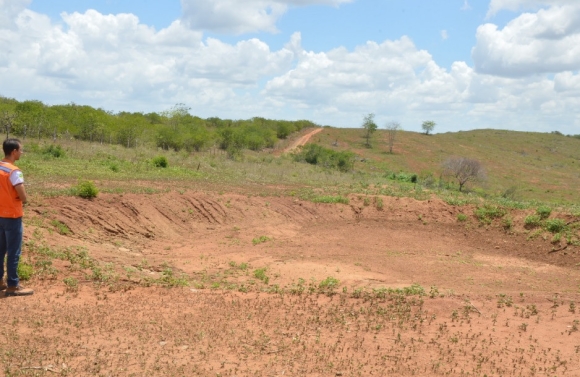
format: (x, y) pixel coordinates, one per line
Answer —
(317, 155)
(532, 221)
(401, 177)
(160, 162)
(86, 190)
(544, 212)
(488, 212)
(52, 150)
(555, 225)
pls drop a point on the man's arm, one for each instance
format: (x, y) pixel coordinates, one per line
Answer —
(21, 192)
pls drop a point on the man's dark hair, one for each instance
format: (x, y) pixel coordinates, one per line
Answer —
(10, 145)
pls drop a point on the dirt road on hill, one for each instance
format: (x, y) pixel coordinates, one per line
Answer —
(279, 286)
(301, 140)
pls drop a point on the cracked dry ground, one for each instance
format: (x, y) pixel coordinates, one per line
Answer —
(261, 299)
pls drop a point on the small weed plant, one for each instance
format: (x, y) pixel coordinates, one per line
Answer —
(260, 274)
(60, 227)
(261, 239)
(25, 270)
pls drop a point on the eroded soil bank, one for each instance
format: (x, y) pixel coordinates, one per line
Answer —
(282, 286)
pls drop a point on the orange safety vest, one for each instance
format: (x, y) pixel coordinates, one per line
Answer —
(10, 203)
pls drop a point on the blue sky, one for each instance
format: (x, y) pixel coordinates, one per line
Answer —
(466, 64)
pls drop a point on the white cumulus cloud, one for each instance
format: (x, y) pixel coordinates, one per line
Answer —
(238, 17)
(9, 9)
(547, 41)
(118, 63)
(115, 60)
(515, 5)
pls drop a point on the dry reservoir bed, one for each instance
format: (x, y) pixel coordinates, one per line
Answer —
(230, 285)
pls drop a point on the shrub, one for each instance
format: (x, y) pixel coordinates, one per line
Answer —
(114, 167)
(160, 162)
(401, 176)
(331, 199)
(488, 212)
(317, 155)
(555, 225)
(532, 221)
(544, 212)
(86, 190)
(53, 151)
(507, 223)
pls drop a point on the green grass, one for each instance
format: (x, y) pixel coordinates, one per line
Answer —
(529, 166)
(331, 199)
(537, 166)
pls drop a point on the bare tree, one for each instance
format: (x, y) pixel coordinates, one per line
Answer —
(392, 128)
(7, 122)
(464, 170)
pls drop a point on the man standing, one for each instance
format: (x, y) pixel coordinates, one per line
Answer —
(12, 198)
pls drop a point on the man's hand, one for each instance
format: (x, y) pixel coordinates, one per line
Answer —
(21, 193)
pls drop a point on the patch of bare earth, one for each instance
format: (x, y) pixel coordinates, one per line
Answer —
(494, 302)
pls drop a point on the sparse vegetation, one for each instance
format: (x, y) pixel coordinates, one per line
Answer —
(331, 199)
(261, 239)
(488, 212)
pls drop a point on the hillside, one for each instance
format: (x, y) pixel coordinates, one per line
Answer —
(543, 167)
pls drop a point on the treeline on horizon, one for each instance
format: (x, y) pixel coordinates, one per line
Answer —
(173, 129)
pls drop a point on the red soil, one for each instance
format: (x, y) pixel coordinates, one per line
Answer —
(496, 303)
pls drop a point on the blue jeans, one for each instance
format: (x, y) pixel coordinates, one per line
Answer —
(10, 245)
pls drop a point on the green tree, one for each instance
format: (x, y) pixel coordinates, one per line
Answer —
(428, 126)
(30, 115)
(177, 115)
(369, 127)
